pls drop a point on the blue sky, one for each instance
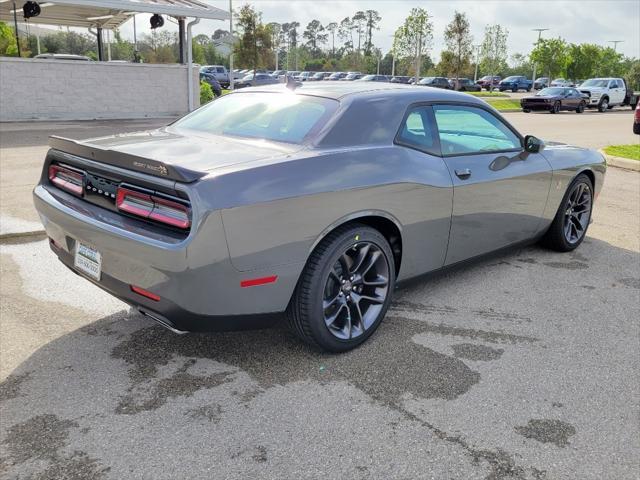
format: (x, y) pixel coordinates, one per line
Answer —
(576, 21)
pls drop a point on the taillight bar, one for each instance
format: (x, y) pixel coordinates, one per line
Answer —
(153, 207)
(67, 179)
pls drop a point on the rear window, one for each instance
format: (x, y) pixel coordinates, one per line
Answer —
(280, 117)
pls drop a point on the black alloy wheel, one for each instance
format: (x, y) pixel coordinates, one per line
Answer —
(355, 291)
(577, 212)
(344, 290)
(569, 226)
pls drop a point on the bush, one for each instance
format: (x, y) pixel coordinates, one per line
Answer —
(206, 93)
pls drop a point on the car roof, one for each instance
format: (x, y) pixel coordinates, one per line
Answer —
(341, 90)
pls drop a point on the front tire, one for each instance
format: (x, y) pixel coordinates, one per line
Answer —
(569, 227)
(344, 290)
(581, 107)
(603, 105)
(555, 108)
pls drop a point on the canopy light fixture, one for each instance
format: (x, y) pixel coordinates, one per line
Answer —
(156, 21)
(31, 9)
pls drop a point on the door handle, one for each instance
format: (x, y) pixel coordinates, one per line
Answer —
(463, 174)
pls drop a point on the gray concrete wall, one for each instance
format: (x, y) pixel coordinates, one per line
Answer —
(39, 89)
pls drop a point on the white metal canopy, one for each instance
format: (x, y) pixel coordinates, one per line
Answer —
(108, 14)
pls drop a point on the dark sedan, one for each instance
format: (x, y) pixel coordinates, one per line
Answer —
(213, 83)
(464, 85)
(400, 79)
(555, 99)
(438, 82)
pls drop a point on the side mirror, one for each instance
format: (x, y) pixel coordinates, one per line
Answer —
(533, 144)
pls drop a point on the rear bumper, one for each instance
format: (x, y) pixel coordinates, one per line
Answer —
(199, 288)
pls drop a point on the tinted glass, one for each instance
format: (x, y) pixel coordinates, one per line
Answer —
(466, 130)
(595, 83)
(278, 117)
(552, 91)
(417, 131)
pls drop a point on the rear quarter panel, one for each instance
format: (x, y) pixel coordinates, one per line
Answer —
(275, 214)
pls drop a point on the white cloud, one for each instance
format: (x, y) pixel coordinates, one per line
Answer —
(592, 21)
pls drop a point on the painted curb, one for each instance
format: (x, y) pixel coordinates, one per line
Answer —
(621, 162)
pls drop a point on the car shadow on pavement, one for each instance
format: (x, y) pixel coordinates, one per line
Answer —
(105, 391)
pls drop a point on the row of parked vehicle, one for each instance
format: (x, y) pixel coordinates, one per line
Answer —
(600, 93)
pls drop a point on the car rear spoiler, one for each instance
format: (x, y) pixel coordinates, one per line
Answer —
(124, 160)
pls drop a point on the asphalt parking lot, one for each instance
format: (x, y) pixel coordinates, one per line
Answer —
(522, 366)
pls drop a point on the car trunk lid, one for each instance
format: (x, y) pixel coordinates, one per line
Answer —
(170, 153)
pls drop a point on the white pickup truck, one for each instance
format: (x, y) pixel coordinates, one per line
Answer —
(218, 71)
(606, 93)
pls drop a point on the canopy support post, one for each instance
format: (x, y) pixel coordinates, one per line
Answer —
(100, 46)
(181, 38)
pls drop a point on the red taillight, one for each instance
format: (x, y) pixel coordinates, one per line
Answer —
(153, 207)
(145, 293)
(67, 179)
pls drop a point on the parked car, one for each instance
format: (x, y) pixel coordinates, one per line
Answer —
(277, 224)
(515, 83)
(438, 82)
(258, 79)
(488, 82)
(606, 93)
(561, 82)
(540, 83)
(218, 71)
(400, 79)
(317, 76)
(636, 120)
(278, 73)
(374, 78)
(337, 76)
(464, 85)
(304, 76)
(293, 73)
(213, 83)
(351, 76)
(555, 99)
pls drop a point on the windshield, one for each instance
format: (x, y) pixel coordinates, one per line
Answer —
(560, 80)
(510, 79)
(426, 80)
(552, 91)
(368, 77)
(595, 83)
(274, 116)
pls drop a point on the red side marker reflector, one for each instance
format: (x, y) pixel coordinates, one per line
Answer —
(254, 282)
(145, 293)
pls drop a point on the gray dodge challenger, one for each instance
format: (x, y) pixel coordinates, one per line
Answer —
(306, 202)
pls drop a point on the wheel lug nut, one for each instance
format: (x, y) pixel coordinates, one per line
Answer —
(343, 281)
(351, 279)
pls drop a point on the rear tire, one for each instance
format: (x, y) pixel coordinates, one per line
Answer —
(338, 303)
(526, 110)
(561, 236)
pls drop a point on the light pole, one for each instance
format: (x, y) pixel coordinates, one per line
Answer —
(231, 45)
(615, 44)
(539, 30)
(475, 75)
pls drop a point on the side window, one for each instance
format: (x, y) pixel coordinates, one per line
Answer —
(418, 131)
(468, 130)
(220, 70)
